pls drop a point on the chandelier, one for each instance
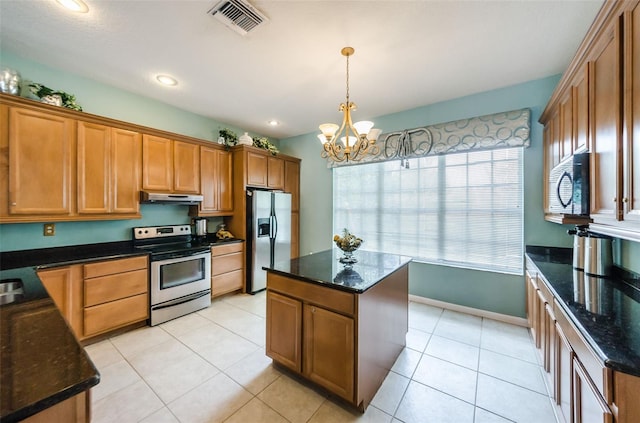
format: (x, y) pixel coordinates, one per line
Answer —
(349, 141)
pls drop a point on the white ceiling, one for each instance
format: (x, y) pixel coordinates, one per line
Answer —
(408, 53)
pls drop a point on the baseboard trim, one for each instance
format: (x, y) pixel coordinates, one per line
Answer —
(470, 310)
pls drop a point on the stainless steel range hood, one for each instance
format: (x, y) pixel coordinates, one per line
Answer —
(166, 198)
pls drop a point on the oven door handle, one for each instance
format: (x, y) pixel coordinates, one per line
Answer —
(181, 300)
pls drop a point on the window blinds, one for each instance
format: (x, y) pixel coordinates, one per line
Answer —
(463, 209)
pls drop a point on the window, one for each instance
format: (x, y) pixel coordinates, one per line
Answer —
(463, 209)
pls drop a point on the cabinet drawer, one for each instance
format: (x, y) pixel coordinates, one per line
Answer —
(114, 287)
(110, 267)
(108, 316)
(226, 263)
(219, 250)
(227, 282)
(544, 291)
(328, 298)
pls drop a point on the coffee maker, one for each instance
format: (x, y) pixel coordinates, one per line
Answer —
(200, 228)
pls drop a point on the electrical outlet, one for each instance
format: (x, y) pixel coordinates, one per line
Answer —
(49, 229)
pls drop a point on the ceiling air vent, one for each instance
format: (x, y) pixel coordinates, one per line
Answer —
(238, 15)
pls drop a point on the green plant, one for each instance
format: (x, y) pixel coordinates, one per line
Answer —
(264, 143)
(68, 100)
(230, 137)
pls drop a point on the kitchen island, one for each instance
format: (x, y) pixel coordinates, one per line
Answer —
(340, 327)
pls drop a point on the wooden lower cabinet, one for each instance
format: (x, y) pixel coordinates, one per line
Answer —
(65, 286)
(98, 297)
(116, 294)
(588, 404)
(227, 268)
(284, 330)
(76, 409)
(563, 384)
(329, 339)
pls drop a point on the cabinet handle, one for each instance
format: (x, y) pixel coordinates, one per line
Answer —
(625, 200)
(615, 199)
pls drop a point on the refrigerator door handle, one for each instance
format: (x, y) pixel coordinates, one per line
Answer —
(274, 227)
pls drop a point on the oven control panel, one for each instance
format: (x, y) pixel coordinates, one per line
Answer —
(151, 232)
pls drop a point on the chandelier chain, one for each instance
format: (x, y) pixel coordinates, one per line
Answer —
(348, 80)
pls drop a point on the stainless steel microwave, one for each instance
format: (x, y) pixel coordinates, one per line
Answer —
(569, 186)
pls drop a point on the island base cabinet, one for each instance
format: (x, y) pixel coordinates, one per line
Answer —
(329, 350)
(76, 409)
(284, 330)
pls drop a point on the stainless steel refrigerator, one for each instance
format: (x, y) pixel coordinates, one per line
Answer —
(268, 234)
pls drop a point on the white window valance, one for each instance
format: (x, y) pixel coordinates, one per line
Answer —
(499, 130)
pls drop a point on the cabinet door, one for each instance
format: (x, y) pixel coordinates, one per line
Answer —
(186, 167)
(581, 111)
(94, 157)
(225, 182)
(605, 128)
(563, 374)
(631, 144)
(41, 168)
(329, 344)
(566, 125)
(157, 163)
(292, 183)
(589, 406)
(256, 169)
(215, 181)
(125, 171)
(275, 173)
(284, 330)
(209, 180)
(65, 287)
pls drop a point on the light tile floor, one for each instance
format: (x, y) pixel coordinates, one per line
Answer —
(210, 366)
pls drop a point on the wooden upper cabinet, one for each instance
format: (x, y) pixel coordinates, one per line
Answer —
(108, 170)
(275, 173)
(264, 170)
(215, 182)
(94, 148)
(41, 163)
(170, 166)
(631, 141)
(257, 165)
(605, 128)
(566, 126)
(157, 163)
(186, 167)
(125, 171)
(581, 111)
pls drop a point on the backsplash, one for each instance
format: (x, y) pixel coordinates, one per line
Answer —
(27, 236)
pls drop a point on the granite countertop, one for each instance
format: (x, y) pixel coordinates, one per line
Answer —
(41, 362)
(605, 311)
(323, 268)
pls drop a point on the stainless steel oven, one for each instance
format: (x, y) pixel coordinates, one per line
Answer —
(180, 275)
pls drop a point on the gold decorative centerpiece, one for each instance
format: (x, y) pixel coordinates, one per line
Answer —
(348, 243)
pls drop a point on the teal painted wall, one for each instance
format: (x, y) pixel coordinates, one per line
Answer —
(494, 292)
(104, 100)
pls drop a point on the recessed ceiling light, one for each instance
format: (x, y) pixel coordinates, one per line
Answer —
(166, 80)
(74, 5)
(274, 122)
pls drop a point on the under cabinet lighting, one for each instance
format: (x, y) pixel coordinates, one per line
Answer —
(74, 5)
(273, 122)
(166, 80)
